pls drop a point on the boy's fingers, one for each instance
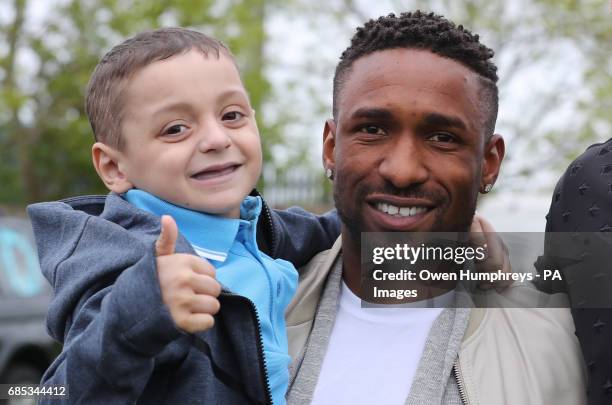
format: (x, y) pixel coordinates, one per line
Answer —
(166, 242)
(198, 323)
(477, 236)
(205, 304)
(203, 266)
(206, 285)
(476, 225)
(485, 226)
(482, 232)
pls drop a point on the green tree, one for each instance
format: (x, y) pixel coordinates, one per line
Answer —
(45, 137)
(559, 115)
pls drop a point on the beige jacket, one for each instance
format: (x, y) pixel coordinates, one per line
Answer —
(508, 356)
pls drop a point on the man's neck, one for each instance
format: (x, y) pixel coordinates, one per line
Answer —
(351, 271)
(351, 261)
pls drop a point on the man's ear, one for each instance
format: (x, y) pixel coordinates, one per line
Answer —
(494, 151)
(107, 162)
(329, 145)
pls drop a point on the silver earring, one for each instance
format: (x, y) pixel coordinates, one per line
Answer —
(329, 173)
(487, 188)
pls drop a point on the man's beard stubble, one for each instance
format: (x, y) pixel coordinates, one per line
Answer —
(355, 223)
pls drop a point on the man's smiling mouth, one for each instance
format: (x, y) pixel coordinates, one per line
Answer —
(401, 211)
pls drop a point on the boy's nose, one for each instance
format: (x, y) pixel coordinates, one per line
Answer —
(214, 138)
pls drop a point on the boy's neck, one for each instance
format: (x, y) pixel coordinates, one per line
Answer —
(144, 199)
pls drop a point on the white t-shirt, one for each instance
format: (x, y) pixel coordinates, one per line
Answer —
(373, 353)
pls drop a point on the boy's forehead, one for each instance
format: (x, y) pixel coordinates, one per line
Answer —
(185, 73)
(176, 66)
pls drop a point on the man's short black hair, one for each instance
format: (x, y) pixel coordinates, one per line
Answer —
(427, 31)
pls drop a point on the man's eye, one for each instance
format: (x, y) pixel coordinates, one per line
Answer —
(175, 129)
(372, 130)
(442, 137)
(233, 116)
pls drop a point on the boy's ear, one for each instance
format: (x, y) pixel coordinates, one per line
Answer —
(107, 162)
(329, 145)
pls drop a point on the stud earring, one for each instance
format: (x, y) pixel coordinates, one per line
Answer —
(487, 188)
(329, 173)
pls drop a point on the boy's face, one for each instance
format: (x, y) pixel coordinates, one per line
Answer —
(190, 134)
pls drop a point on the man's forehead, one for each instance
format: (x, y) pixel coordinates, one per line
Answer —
(407, 77)
(397, 62)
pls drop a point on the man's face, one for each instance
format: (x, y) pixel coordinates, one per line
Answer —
(408, 146)
(190, 134)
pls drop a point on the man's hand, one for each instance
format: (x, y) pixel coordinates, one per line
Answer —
(187, 282)
(481, 233)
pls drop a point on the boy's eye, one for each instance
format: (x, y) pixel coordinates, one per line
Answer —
(372, 130)
(233, 116)
(175, 129)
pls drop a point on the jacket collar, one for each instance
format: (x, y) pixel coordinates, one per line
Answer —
(104, 205)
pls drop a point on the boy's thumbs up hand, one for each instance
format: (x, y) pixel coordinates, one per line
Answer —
(166, 243)
(187, 282)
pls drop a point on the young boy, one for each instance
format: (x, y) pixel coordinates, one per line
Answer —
(134, 299)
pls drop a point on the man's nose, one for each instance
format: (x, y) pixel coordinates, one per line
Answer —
(214, 137)
(404, 163)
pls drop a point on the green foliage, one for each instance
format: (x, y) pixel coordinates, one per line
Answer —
(45, 138)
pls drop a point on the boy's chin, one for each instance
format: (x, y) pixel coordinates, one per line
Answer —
(229, 211)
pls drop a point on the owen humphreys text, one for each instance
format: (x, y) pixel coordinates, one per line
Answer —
(390, 282)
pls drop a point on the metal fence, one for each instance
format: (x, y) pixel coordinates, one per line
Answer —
(296, 186)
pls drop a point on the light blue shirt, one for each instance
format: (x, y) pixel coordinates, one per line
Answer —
(231, 246)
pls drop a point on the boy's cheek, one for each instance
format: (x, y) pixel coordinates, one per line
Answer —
(259, 162)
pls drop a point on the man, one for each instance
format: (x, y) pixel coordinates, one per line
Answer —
(410, 146)
(581, 203)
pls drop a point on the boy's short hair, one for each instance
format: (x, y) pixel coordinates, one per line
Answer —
(104, 97)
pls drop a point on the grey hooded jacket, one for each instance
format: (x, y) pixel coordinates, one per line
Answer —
(120, 342)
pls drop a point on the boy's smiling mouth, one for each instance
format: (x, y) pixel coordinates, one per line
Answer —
(216, 172)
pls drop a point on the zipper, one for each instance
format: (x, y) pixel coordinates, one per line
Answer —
(268, 216)
(460, 384)
(260, 347)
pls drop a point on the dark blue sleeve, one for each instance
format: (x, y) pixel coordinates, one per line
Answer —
(115, 324)
(299, 234)
(580, 207)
